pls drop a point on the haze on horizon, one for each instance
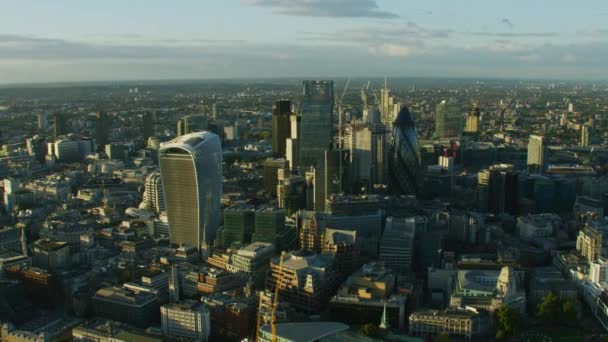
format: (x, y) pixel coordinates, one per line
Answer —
(69, 40)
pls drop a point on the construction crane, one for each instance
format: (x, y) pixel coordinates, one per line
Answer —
(340, 131)
(275, 299)
(273, 306)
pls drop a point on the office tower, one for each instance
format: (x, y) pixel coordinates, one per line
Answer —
(397, 244)
(239, 224)
(154, 197)
(66, 150)
(389, 109)
(380, 153)
(449, 120)
(281, 127)
(43, 122)
(328, 179)
(59, 123)
(404, 158)
(311, 227)
(358, 142)
(116, 151)
(254, 260)
(536, 154)
(291, 193)
(215, 111)
(585, 133)
(589, 243)
(191, 172)
(497, 190)
(147, 126)
(271, 168)
(471, 127)
(269, 224)
(316, 126)
(189, 320)
(192, 123)
(36, 147)
(292, 143)
(570, 108)
(51, 255)
(102, 130)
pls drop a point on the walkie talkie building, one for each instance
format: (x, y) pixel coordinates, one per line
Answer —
(191, 171)
(404, 156)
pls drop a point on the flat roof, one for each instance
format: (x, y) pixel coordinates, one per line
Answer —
(306, 331)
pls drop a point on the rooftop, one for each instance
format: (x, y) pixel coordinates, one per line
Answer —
(306, 331)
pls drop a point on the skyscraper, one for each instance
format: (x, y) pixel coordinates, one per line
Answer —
(281, 127)
(59, 123)
(147, 125)
(191, 171)
(102, 130)
(449, 121)
(471, 127)
(585, 133)
(316, 126)
(404, 156)
(536, 154)
(192, 123)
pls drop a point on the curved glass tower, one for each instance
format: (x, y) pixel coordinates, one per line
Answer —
(191, 172)
(404, 156)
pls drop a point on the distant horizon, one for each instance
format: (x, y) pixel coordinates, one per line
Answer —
(75, 41)
(296, 79)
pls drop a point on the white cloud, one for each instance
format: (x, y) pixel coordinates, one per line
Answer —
(393, 50)
(325, 8)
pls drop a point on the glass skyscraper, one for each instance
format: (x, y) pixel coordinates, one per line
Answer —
(191, 171)
(316, 125)
(404, 156)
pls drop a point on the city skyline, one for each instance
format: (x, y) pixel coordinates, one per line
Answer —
(70, 41)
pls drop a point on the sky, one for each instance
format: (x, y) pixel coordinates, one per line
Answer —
(80, 40)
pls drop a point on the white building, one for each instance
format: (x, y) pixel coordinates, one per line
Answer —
(598, 271)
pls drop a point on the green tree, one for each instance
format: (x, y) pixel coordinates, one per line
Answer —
(568, 314)
(369, 329)
(443, 337)
(507, 321)
(550, 308)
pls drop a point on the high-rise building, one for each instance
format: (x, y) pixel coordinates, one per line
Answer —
(102, 130)
(59, 123)
(147, 127)
(328, 179)
(292, 143)
(185, 321)
(397, 244)
(359, 143)
(191, 172)
(389, 109)
(449, 121)
(271, 168)
(281, 127)
(585, 135)
(536, 154)
(471, 127)
(192, 123)
(154, 197)
(404, 158)
(43, 122)
(497, 189)
(316, 126)
(291, 193)
(36, 147)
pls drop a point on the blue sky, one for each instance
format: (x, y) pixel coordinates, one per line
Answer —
(69, 40)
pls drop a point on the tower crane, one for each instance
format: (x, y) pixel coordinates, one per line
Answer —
(273, 306)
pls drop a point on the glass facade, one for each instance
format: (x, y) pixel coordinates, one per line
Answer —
(404, 158)
(316, 125)
(191, 171)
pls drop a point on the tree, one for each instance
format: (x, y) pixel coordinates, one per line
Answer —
(549, 308)
(369, 329)
(443, 337)
(554, 310)
(507, 321)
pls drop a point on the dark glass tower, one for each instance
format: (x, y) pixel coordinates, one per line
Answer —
(316, 126)
(404, 156)
(281, 127)
(101, 130)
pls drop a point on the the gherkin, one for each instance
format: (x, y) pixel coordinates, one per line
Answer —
(404, 156)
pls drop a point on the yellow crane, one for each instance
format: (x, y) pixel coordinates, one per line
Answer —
(275, 299)
(273, 306)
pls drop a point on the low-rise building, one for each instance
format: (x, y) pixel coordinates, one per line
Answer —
(468, 323)
(140, 309)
